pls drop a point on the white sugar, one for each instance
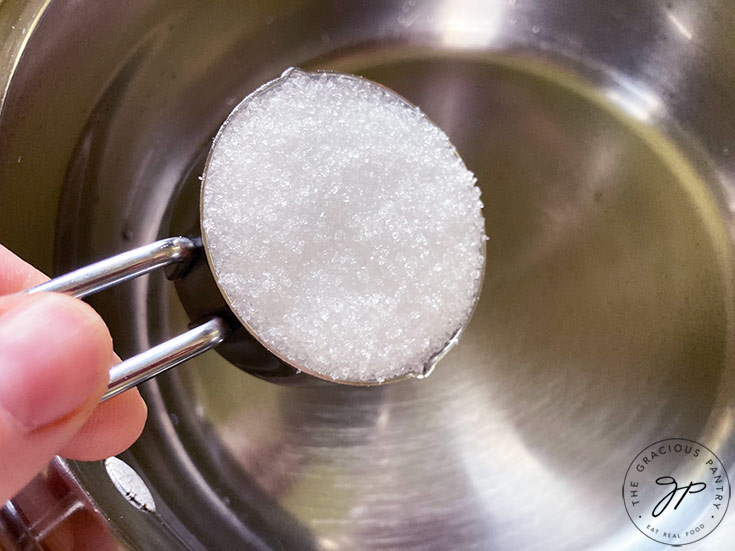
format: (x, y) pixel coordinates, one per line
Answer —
(343, 227)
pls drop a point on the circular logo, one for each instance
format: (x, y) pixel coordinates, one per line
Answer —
(676, 491)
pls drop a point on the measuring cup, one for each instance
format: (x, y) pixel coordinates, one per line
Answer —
(178, 253)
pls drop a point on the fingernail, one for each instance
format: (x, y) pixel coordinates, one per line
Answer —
(54, 355)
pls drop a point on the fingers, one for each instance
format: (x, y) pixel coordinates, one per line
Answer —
(111, 429)
(55, 353)
(16, 274)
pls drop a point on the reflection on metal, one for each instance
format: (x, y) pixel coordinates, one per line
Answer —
(685, 32)
(606, 321)
(635, 100)
(129, 484)
(467, 24)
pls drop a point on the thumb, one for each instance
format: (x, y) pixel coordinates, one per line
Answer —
(55, 353)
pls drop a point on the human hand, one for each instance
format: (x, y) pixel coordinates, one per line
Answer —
(55, 355)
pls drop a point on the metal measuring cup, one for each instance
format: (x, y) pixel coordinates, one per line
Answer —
(178, 253)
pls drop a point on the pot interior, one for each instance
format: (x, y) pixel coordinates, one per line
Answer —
(605, 319)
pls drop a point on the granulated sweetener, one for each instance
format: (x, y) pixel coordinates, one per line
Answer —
(343, 227)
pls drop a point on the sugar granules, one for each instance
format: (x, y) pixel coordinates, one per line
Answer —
(343, 227)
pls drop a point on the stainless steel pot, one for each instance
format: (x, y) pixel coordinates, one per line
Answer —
(603, 136)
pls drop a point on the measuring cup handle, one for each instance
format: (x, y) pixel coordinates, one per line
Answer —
(119, 268)
(123, 267)
(166, 355)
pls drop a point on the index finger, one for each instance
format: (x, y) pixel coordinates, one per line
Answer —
(16, 274)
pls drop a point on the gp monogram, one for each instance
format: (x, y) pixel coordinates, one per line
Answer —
(676, 491)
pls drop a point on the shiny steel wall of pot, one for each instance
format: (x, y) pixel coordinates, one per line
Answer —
(603, 138)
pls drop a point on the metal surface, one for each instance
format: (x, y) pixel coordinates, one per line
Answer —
(164, 356)
(602, 135)
(129, 484)
(120, 268)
